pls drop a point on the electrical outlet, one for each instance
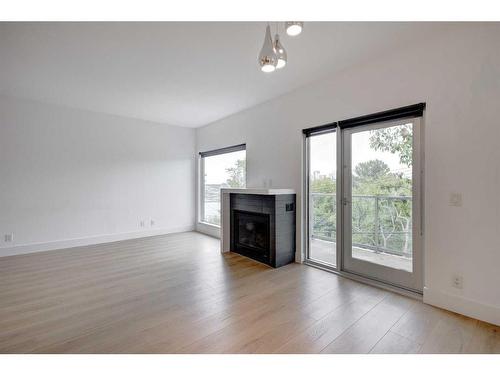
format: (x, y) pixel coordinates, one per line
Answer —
(456, 199)
(458, 282)
(9, 237)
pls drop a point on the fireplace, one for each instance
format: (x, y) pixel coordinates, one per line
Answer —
(252, 234)
(262, 227)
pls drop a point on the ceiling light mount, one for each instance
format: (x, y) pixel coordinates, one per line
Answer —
(294, 28)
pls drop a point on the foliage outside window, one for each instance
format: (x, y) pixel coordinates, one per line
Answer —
(381, 198)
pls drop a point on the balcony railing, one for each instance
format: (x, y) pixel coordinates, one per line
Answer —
(380, 223)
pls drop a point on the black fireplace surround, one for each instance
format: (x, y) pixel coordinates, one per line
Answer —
(263, 227)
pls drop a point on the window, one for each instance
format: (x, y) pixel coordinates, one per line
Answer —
(322, 188)
(223, 168)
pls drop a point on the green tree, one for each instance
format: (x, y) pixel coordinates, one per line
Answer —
(374, 177)
(397, 140)
(237, 174)
(379, 217)
(371, 169)
(323, 185)
(381, 199)
(324, 207)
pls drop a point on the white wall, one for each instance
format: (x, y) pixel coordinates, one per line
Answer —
(71, 177)
(458, 76)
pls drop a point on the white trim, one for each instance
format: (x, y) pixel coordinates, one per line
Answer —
(200, 196)
(225, 221)
(208, 229)
(339, 159)
(461, 305)
(303, 255)
(85, 241)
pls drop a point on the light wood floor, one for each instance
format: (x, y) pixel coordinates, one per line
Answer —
(178, 294)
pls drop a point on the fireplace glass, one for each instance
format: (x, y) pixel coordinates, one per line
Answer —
(251, 232)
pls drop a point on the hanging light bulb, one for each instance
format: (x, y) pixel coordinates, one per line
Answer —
(294, 28)
(267, 57)
(280, 52)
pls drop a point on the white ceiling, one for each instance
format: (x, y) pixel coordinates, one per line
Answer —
(188, 73)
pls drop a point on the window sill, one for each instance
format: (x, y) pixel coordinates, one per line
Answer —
(209, 224)
(208, 229)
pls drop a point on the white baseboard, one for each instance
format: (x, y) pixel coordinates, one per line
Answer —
(85, 241)
(461, 305)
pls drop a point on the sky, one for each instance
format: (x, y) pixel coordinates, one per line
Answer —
(215, 166)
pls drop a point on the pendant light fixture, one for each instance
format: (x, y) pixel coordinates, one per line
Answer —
(273, 55)
(294, 28)
(267, 57)
(280, 52)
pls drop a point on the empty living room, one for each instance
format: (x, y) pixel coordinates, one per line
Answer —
(191, 179)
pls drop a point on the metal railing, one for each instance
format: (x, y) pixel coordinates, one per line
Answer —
(381, 223)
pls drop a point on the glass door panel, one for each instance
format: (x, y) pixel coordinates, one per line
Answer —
(381, 202)
(322, 188)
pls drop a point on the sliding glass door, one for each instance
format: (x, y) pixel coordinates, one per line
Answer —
(381, 202)
(363, 184)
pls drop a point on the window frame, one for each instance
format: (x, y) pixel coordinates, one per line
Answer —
(330, 128)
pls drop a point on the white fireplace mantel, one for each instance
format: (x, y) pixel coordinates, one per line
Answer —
(259, 191)
(225, 193)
